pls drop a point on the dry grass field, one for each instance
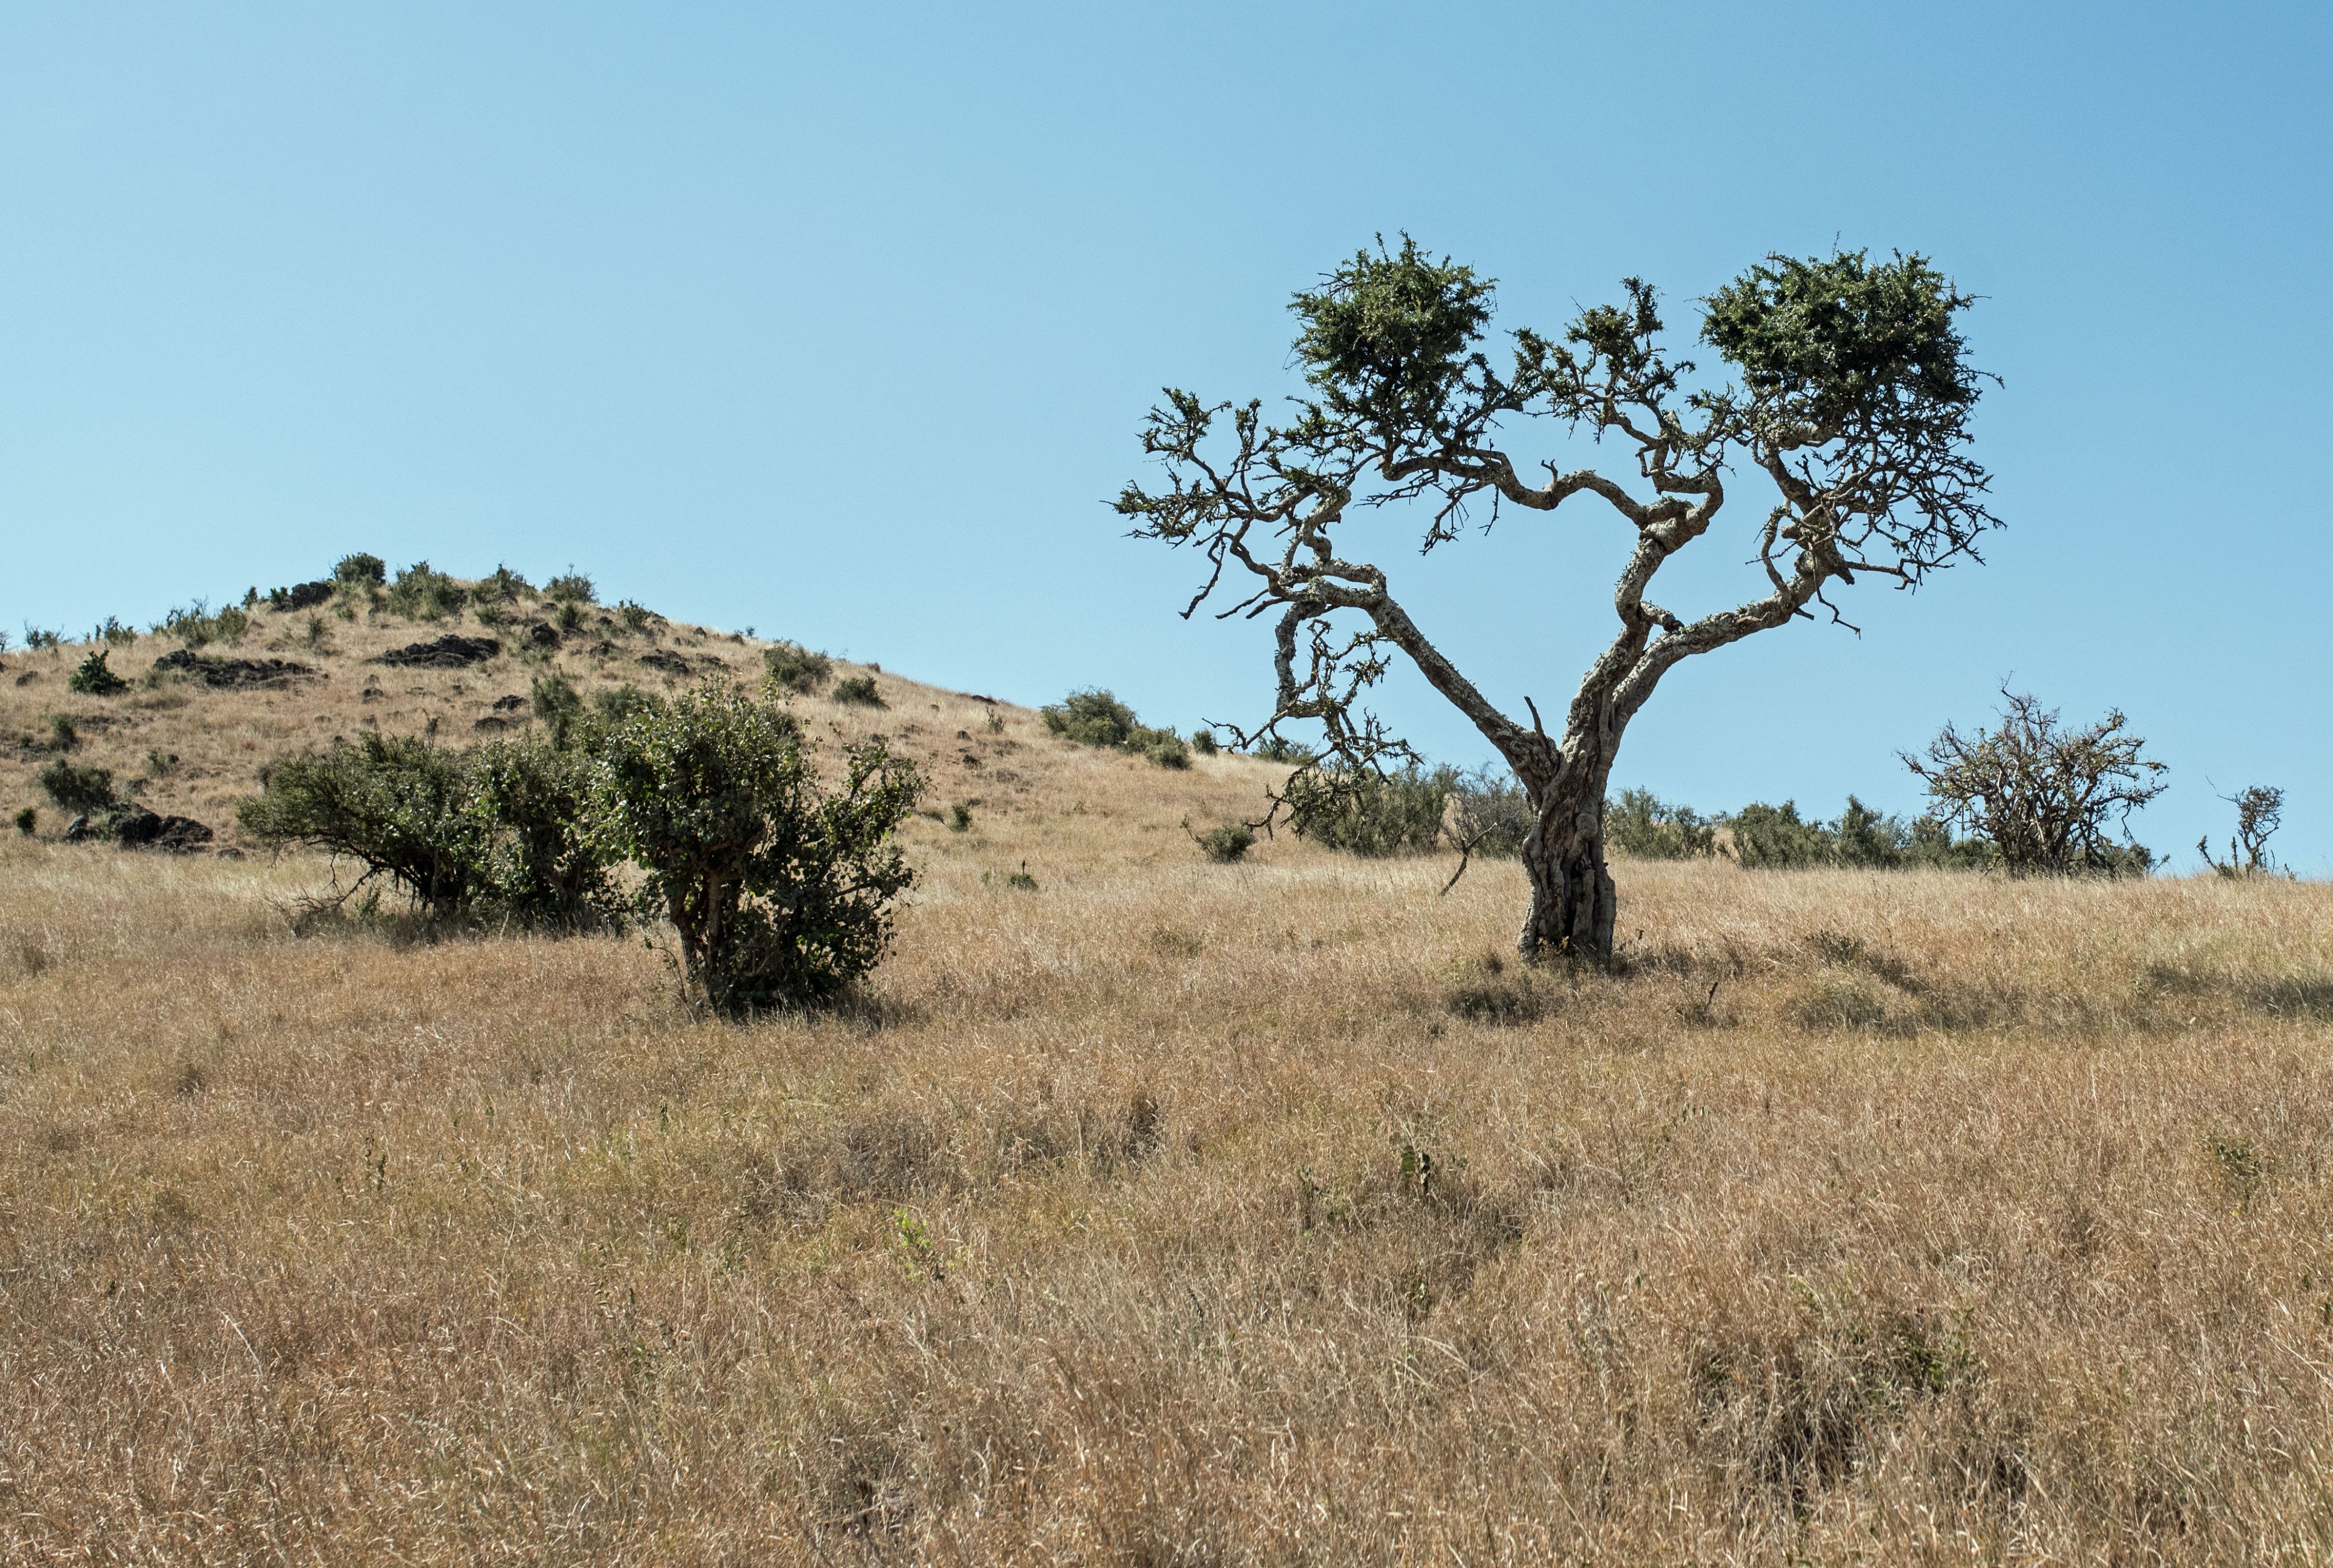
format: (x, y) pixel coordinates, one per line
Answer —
(1167, 1213)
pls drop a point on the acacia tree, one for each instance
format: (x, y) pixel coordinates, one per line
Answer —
(1851, 399)
(2042, 793)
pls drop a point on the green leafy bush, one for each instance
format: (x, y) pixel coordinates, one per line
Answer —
(795, 668)
(361, 570)
(635, 616)
(114, 631)
(1090, 718)
(781, 893)
(859, 692)
(570, 587)
(1365, 811)
(1489, 813)
(75, 787)
(421, 593)
(1776, 838)
(95, 679)
(500, 587)
(1226, 843)
(1095, 717)
(27, 819)
(196, 627)
(539, 861)
(554, 699)
(498, 829)
(395, 804)
(1203, 741)
(35, 638)
(1640, 823)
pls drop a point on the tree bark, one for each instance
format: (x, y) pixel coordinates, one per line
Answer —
(1572, 900)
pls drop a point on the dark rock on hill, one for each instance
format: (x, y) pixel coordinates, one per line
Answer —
(232, 672)
(448, 653)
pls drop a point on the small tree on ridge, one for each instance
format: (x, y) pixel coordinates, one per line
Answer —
(1852, 401)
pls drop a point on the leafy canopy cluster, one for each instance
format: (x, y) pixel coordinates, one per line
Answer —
(1095, 718)
(779, 891)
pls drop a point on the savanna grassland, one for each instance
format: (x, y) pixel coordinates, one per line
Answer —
(1167, 1212)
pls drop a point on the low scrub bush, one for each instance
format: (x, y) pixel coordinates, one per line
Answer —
(113, 631)
(795, 668)
(1640, 823)
(570, 587)
(1776, 838)
(781, 893)
(500, 588)
(421, 593)
(35, 638)
(1225, 842)
(1489, 813)
(94, 678)
(392, 804)
(859, 692)
(1203, 741)
(636, 616)
(196, 627)
(76, 787)
(1095, 717)
(497, 829)
(361, 570)
(27, 819)
(1365, 811)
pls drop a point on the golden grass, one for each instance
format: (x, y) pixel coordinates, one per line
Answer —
(1170, 1213)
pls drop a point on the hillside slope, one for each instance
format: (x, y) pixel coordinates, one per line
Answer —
(190, 741)
(1152, 1210)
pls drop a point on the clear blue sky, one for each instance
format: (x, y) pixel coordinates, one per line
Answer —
(840, 321)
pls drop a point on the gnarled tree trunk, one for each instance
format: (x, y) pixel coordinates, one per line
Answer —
(1572, 900)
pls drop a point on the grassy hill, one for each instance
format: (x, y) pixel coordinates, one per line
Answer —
(1168, 1212)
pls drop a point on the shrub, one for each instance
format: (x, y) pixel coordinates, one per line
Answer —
(95, 679)
(959, 816)
(568, 616)
(1279, 749)
(392, 804)
(795, 668)
(570, 587)
(113, 631)
(612, 704)
(27, 819)
(196, 627)
(62, 736)
(859, 692)
(635, 616)
(1095, 718)
(781, 894)
(1775, 838)
(2043, 794)
(1090, 718)
(36, 639)
(538, 860)
(1641, 824)
(554, 700)
(1226, 843)
(1365, 811)
(361, 570)
(1490, 814)
(1203, 741)
(502, 586)
(421, 593)
(76, 788)
(1163, 746)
